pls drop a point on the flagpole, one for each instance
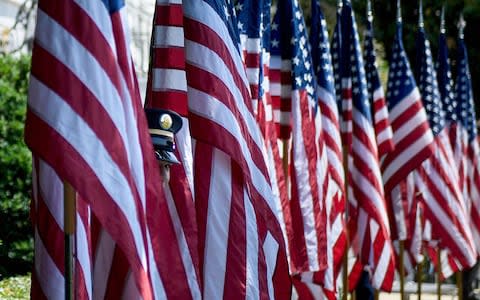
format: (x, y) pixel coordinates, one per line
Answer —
(419, 279)
(69, 213)
(460, 285)
(439, 274)
(347, 243)
(402, 269)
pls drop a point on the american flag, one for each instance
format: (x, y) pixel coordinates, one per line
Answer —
(467, 117)
(412, 139)
(443, 201)
(366, 199)
(254, 26)
(334, 200)
(167, 89)
(242, 252)
(86, 125)
(376, 94)
(306, 179)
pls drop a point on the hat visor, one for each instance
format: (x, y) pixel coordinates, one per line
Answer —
(167, 157)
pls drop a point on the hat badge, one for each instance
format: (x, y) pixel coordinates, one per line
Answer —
(165, 121)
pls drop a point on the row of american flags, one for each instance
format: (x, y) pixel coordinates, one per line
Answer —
(292, 155)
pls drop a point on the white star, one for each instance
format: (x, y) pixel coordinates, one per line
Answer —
(274, 26)
(296, 61)
(239, 6)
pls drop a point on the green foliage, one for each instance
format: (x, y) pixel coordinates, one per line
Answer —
(15, 288)
(15, 165)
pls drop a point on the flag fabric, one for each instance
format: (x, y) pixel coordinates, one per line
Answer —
(307, 166)
(376, 94)
(167, 89)
(242, 252)
(467, 117)
(86, 126)
(443, 203)
(412, 137)
(254, 27)
(366, 200)
(280, 78)
(335, 198)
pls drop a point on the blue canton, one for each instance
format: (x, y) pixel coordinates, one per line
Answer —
(370, 61)
(352, 62)
(322, 60)
(295, 47)
(400, 78)
(445, 81)
(464, 92)
(427, 81)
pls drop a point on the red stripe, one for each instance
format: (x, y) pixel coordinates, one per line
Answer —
(209, 83)
(81, 286)
(299, 257)
(200, 33)
(236, 273)
(172, 100)
(446, 240)
(63, 82)
(302, 289)
(107, 211)
(169, 58)
(74, 19)
(202, 176)
(36, 292)
(117, 275)
(252, 60)
(50, 233)
(169, 15)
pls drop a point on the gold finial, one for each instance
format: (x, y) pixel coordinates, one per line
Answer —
(165, 121)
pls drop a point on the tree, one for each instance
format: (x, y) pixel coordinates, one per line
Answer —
(16, 250)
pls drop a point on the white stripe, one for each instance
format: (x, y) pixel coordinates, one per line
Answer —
(252, 248)
(157, 284)
(183, 245)
(382, 266)
(209, 60)
(405, 104)
(252, 45)
(168, 36)
(305, 197)
(222, 115)
(92, 150)
(253, 75)
(52, 37)
(102, 264)
(406, 155)
(130, 290)
(217, 227)
(169, 79)
(51, 190)
(270, 248)
(166, 2)
(275, 88)
(99, 14)
(82, 254)
(48, 275)
(184, 145)
(204, 13)
(442, 217)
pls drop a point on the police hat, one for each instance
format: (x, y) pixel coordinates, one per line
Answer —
(162, 125)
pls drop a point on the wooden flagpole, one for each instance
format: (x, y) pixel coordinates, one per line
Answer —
(439, 274)
(419, 279)
(459, 285)
(402, 269)
(69, 214)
